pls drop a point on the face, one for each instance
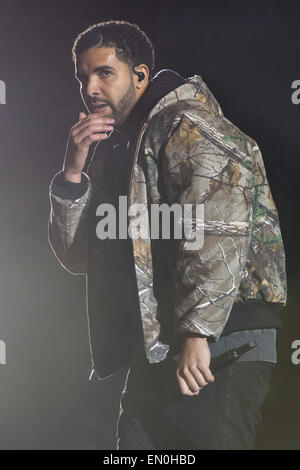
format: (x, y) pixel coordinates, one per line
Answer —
(106, 83)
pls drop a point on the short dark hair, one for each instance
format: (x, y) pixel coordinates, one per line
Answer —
(131, 44)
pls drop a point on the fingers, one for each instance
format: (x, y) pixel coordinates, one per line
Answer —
(93, 124)
(192, 379)
(199, 376)
(208, 376)
(91, 120)
(92, 138)
(79, 136)
(184, 388)
(84, 119)
(90, 129)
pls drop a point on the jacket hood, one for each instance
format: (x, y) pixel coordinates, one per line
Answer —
(166, 88)
(193, 89)
(160, 85)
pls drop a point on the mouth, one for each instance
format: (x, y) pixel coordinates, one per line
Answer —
(100, 107)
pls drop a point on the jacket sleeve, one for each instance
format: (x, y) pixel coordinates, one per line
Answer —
(198, 170)
(67, 225)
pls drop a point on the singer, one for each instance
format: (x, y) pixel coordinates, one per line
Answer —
(156, 307)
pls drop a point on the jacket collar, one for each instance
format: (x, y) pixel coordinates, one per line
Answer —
(165, 81)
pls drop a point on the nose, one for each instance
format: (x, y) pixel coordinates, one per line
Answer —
(93, 86)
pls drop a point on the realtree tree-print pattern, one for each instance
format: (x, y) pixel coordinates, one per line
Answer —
(189, 153)
(203, 158)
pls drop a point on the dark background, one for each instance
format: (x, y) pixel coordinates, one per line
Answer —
(248, 54)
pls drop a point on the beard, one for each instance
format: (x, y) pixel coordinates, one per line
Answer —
(120, 111)
(126, 103)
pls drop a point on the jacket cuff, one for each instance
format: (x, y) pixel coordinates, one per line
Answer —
(67, 189)
(191, 327)
(187, 334)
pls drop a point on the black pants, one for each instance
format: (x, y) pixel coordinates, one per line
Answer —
(154, 414)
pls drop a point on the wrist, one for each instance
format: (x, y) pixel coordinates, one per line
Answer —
(74, 177)
(197, 336)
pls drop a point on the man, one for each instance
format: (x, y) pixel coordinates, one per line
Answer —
(158, 305)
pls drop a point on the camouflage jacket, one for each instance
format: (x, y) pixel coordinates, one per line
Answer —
(187, 152)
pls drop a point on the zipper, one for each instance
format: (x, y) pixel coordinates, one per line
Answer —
(94, 151)
(93, 368)
(137, 148)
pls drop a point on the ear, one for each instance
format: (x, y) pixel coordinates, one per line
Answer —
(142, 84)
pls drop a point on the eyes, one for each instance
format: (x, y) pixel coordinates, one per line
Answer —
(105, 73)
(101, 73)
